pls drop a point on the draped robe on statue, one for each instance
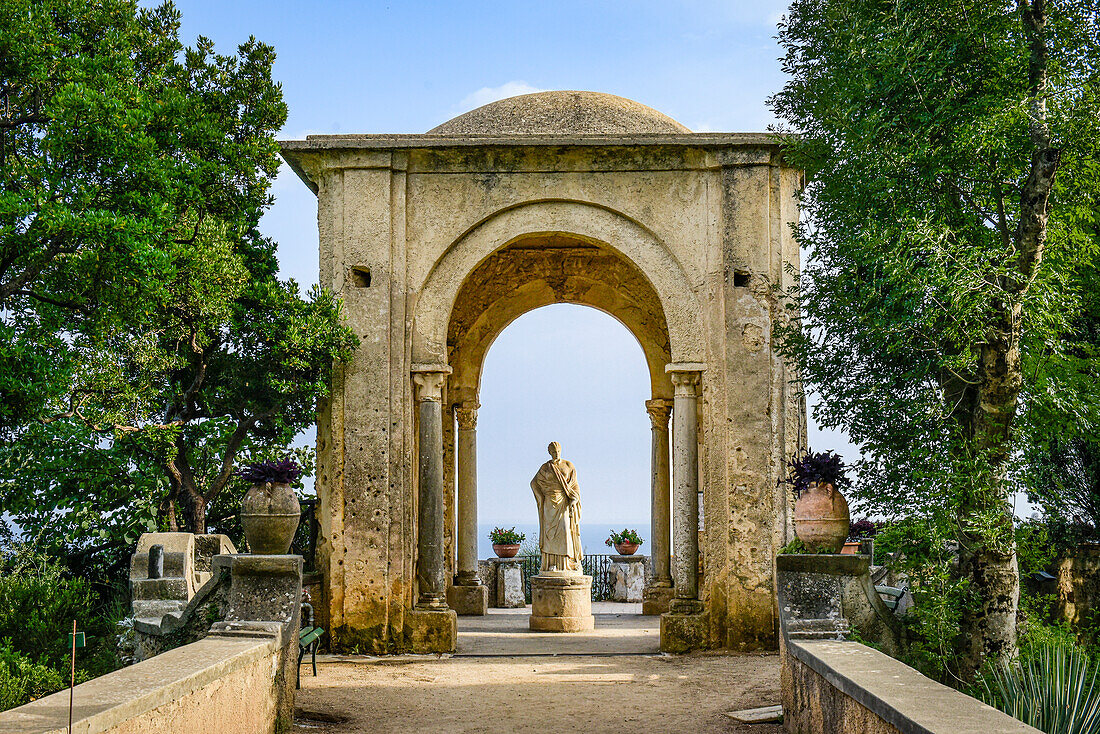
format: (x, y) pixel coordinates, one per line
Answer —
(559, 502)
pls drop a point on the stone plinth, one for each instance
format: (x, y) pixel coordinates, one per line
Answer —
(561, 603)
(656, 599)
(685, 627)
(468, 600)
(627, 578)
(508, 579)
(431, 630)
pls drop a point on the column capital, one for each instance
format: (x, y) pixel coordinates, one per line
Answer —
(466, 413)
(686, 377)
(659, 410)
(429, 380)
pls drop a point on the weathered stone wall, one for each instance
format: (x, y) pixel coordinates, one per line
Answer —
(680, 242)
(839, 686)
(218, 684)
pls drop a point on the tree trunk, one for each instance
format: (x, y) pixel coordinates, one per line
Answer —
(987, 548)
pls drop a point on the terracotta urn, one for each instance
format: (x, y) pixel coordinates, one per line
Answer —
(626, 549)
(269, 514)
(851, 548)
(506, 550)
(821, 519)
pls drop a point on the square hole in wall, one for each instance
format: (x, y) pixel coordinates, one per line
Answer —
(741, 278)
(360, 276)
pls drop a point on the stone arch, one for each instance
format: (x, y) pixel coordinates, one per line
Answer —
(578, 221)
(542, 269)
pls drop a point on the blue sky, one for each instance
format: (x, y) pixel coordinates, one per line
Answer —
(405, 67)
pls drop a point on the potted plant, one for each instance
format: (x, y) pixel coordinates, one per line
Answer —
(506, 542)
(859, 531)
(270, 511)
(821, 517)
(626, 542)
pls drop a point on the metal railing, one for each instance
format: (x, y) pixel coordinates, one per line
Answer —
(596, 566)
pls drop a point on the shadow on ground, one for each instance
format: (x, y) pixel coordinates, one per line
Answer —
(508, 679)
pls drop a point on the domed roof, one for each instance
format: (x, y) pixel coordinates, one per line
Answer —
(561, 113)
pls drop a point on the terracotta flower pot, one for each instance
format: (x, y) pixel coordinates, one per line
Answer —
(506, 550)
(626, 549)
(269, 514)
(851, 548)
(821, 518)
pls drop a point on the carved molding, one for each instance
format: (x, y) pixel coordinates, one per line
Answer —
(466, 413)
(429, 381)
(686, 378)
(659, 410)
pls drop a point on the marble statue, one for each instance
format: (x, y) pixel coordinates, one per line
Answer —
(559, 503)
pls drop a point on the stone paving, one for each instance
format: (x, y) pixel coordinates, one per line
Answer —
(505, 678)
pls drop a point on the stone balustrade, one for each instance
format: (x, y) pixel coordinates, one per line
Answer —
(831, 684)
(238, 679)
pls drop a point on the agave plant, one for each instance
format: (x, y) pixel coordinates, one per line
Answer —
(1056, 691)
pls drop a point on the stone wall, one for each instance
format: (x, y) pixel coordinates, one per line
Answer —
(218, 684)
(832, 686)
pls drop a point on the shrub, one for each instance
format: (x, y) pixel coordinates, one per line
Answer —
(1055, 691)
(22, 680)
(38, 602)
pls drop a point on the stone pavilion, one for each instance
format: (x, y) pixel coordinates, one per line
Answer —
(436, 242)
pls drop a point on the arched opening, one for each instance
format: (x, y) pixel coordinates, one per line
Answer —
(531, 365)
(583, 382)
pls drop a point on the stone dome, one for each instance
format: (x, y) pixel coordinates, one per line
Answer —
(561, 113)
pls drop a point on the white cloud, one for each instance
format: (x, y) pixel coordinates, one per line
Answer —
(485, 95)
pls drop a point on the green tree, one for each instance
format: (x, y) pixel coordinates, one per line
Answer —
(149, 339)
(950, 155)
(117, 146)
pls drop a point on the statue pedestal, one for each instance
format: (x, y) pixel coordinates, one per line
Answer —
(561, 602)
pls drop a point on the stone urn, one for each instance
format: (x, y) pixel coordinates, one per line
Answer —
(269, 514)
(821, 519)
(626, 548)
(506, 550)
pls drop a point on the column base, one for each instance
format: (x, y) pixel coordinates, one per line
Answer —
(468, 600)
(431, 630)
(656, 599)
(561, 603)
(684, 632)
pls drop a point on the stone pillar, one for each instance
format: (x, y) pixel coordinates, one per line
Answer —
(468, 595)
(658, 592)
(685, 626)
(431, 626)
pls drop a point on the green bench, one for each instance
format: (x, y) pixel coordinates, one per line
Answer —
(890, 596)
(307, 641)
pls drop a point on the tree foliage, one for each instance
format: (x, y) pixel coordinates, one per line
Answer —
(148, 341)
(951, 200)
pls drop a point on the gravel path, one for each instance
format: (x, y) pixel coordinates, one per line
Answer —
(547, 695)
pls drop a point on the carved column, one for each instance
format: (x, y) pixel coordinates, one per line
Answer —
(659, 410)
(466, 414)
(685, 475)
(430, 567)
